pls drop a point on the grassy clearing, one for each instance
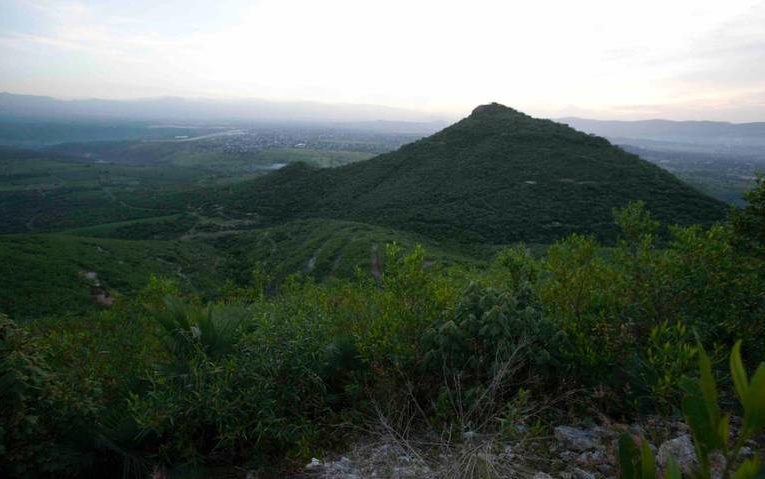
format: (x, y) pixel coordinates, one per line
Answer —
(320, 158)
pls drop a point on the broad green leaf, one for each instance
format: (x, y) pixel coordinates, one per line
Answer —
(705, 434)
(724, 431)
(673, 470)
(754, 412)
(749, 469)
(738, 373)
(627, 457)
(709, 388)
(648, 463)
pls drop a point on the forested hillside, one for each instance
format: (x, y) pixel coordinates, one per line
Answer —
(497, 176)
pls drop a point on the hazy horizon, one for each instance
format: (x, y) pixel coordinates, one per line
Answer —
(684, 60)
(370, 112)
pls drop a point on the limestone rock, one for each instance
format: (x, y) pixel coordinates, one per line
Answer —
(681, 448)
(577, 439)
(592, 458)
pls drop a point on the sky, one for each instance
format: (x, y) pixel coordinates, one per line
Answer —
(611, 59)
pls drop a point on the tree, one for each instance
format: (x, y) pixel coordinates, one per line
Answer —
(749, 222)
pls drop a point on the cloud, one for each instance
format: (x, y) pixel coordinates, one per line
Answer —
(438, 55)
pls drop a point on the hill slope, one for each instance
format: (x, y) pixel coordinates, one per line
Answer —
(44, 275)
(497, 176)
(324, 249)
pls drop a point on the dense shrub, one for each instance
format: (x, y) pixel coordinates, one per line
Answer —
(749, 222)
(253, 383)
(45, 423)
(717, 443)
(489, 329)
(616, 305)
(228, 389)
(271, 371)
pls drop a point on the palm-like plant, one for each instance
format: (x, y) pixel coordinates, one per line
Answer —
(190, 329)
(709, 427)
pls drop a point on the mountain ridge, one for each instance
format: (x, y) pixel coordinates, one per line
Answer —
(186, 108)
(658, 129)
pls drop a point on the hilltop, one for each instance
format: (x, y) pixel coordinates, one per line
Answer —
(497, 176)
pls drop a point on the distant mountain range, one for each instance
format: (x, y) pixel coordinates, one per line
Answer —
(694, 132)
(368, 117)
(201, 109)
(497, 176)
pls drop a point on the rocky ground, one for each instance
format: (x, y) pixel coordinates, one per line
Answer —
(571, 452)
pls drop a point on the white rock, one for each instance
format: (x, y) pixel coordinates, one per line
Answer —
(508, 453)
(577, 473)
(592, 458)
(681, 448)
(577, 439)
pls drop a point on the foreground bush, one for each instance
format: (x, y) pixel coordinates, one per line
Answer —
(710, 428)
(45, 423)
(271, 374)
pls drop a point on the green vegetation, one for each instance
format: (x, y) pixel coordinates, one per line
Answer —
(725, 173)
(200, 155)
(165, 325)
(43, 275)
(47, 193)
(88, 184)
(333, 248)
(749, 222)
(496, 177)
(158, 228)
(711, 430)
(277, 374)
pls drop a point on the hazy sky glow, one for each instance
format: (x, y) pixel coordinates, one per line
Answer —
(679, 59)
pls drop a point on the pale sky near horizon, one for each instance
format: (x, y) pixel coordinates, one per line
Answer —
(675, 59)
